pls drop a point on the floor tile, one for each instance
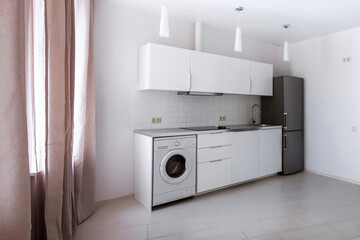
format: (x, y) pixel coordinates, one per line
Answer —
(308, 219)
(231, 218)
(230, 232)
(266, 227)
(176, 227)
(269, 237)
(173, 237)
(348, 212)
(312, 233)
(131, 233)
(348, 228)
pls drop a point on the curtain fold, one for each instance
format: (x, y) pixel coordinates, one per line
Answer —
(68, 110)
(14, 161)
(84, 111)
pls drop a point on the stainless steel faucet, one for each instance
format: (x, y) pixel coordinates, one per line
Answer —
(253, 121)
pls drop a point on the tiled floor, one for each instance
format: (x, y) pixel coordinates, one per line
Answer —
(298, 207)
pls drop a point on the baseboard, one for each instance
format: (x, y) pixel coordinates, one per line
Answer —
(112, 199)
(333, 176)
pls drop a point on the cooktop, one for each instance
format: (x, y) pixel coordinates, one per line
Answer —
(205, 128)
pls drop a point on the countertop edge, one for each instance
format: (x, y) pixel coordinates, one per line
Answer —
(170, 132)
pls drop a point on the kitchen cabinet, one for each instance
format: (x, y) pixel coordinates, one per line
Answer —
(215, 139)
(213, 174)
(270, 151)
(261, 79)
(164, 68)
(236, 76)
(174, 69)
(214, 153)
(246, 156)
(206, 72)
(214, 160)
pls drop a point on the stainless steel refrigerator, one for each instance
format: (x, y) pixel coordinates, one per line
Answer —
(285, 108)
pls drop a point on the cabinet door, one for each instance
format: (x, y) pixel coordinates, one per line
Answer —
(206, 72)
(270, 151)
(213, 174)
(214, 139)
(246, 155)
(164, 68)
(236, 76)
(261, 79)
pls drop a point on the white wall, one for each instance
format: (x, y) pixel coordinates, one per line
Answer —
(222, 42)
(118, 33)
(332, 102)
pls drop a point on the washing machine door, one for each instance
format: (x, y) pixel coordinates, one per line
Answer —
(175, 166)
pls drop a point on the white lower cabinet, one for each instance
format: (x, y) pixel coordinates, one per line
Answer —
(213, 174)
(246, 156)
(214, 160)
(270, 151)
(233, 157)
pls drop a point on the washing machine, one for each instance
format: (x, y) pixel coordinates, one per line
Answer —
(174, 171)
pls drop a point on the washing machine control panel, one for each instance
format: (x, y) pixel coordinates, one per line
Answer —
(183, 143)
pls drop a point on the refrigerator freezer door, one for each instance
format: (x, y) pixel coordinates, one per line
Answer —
(293, 104)
(293, 157)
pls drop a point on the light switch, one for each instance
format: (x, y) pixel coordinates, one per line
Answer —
(354, 129)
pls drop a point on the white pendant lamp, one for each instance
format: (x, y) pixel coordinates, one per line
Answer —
(164, 22)
(238, 34)
(286, 56)
(238, 40)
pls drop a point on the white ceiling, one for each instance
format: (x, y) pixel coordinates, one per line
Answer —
(263, 19)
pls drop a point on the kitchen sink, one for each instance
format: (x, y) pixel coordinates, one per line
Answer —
(263, 125)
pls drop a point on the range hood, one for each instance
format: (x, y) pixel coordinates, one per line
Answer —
(199, 94)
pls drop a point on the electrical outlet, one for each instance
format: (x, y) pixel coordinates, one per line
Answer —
(346, 60)
(222, 118)
(156, 120)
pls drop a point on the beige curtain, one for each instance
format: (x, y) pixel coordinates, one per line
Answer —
(84, 111)
(67, 159)
(14, 163)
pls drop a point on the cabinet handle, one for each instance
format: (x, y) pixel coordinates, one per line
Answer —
(285, 120)
(217, 133)
(216, 147)
(218, 160)
(250, 85)
(285, 141)
(190, 78)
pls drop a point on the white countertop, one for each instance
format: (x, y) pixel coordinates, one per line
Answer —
(169, 132)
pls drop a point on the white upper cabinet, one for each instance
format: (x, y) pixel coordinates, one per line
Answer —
(236, 76)
(164, 68)
(261, 79)
(175, 69)
(206, 72)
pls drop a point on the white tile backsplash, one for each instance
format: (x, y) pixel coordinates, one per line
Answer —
(187, 111)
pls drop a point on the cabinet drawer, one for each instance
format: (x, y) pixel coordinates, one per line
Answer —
(213, 175)
(214, 153)
(214, 139)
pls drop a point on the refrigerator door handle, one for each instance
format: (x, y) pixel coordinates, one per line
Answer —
(285, 120)
(285, 141)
